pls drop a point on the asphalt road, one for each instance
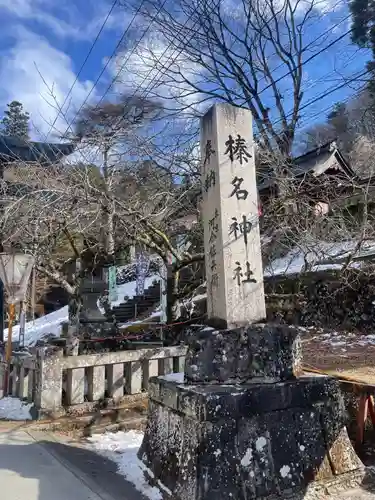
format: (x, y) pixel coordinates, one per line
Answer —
(39, 466)
(45, 466)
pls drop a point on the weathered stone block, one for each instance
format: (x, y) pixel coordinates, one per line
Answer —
(75, 386)
(133, 377)
(48, 373)
(187, 474)
(283, 451)
(218, 450)
(249, 441)
(258, 353)
(115, 380)
(150, 369)
(169, 394)
(311, 443)
(255, 459)
(155, 446)
(96, 383)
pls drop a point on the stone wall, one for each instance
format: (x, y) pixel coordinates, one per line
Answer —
(328, 299)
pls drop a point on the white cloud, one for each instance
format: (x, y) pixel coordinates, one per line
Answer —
(155, 69)
(22, 70)
(80, 22)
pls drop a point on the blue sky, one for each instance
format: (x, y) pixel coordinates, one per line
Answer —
(43, 46)
(40, 41)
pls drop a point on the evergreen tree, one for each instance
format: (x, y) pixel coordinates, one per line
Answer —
(363, 32)
(15, 121)
(339, 120)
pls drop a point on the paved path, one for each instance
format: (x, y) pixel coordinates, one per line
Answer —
(37, 466)
(43, 466)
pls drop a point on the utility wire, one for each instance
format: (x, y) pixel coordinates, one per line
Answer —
(180, 51)
(309, 45)
(276, 81)
(325, 77)
(331, 44)
(323, 95)
(146, 91)
(106, 65)
(330, 107)
(83, 64)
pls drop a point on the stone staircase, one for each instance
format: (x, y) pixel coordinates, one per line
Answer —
(140, 306)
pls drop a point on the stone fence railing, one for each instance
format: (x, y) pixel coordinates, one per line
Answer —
(56, 382)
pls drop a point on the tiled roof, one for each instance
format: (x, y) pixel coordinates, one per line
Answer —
(14, 148)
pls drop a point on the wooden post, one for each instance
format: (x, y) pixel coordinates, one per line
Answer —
(366, 407)
(22, 322)
(8, 352)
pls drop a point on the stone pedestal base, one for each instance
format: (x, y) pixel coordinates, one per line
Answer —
(284, 440)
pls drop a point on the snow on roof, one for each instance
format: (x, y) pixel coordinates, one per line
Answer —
(319, 256)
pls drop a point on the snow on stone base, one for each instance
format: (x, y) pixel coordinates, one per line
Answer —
(122, 448)
(175, 377)
(14, 409)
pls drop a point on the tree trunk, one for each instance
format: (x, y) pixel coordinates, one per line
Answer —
(109, 241)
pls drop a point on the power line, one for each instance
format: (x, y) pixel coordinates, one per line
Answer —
(323, 95)
(84, 63)
(150, 71)
(121, 68)
(313, 83)
(106, 65)
(309, 45)
(328, 108)
(331, 44)
(183, 45)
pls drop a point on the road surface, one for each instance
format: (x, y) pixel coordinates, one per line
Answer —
(37, 466)
(45, 466)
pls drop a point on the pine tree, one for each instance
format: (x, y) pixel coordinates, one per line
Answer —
(363, 33)
(15, 121)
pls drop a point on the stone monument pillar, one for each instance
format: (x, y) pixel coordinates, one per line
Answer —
(246, 423)
(230, 213)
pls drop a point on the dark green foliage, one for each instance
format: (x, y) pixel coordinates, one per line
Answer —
(363, 32)
(16, 121)
(362, 21)
(338, 119)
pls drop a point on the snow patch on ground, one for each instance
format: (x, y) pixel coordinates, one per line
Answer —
(122, 448)
(337, 339)
(14, 409)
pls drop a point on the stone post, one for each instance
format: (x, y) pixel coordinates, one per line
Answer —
(246, 422)
(48, 398)
(235, 294)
